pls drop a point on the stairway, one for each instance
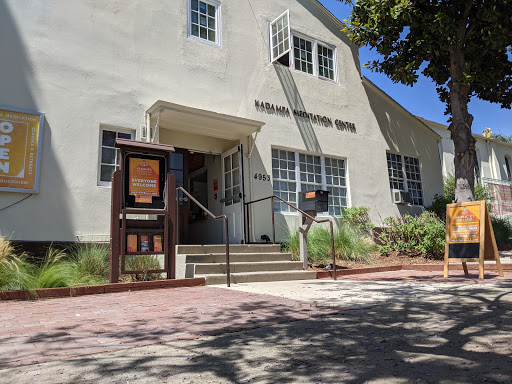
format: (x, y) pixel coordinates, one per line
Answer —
(248, 263)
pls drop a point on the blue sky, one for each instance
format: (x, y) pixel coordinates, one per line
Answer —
(422, 99)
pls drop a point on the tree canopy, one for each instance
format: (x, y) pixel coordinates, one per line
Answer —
(464, 46)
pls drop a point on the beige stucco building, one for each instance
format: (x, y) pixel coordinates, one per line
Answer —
(259, 98)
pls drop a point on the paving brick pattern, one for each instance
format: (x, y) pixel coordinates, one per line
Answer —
(46, 330)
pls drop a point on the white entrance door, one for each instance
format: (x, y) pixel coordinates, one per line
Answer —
(232, 196)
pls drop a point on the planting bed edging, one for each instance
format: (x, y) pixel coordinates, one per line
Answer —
(99, 289)
(411, 267)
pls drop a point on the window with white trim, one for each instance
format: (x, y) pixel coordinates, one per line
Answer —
(314, 172)
(404, 175)
(109, 154)
(204, 21)
(305, 53)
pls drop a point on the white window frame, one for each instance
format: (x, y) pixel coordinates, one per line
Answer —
(405, 180)
(218, 24)
(270, 35)
(315, 43)
(111, 128)
(298, 186)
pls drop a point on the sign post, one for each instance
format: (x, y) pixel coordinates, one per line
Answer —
(470, 237)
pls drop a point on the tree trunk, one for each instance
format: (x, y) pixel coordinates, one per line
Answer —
(460, 128)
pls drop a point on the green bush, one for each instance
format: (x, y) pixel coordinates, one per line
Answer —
(14, 269)
(91, 262)
(439, 202)
(502, 230)
(142, 263)
(350, 243)
(358, 217)
(418, 234)
(54, 271)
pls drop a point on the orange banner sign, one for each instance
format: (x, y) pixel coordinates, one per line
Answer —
(465, 224)
(21, 134)
(144, 179)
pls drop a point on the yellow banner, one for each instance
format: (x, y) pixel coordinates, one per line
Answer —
(20, 150)
(144, 178)
(465, 224)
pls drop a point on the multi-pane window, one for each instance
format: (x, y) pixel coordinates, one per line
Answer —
(110, 155)
(325, 62)
(412, 173)
(310, 172)
(283, 174)
(395, 171)
(204, 20)
(280, 36)
(404, 174)
(507, 167)
(303, 54)
(336, 180)
(313, 172)
(231, 179)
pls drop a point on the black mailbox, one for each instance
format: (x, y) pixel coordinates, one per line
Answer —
(314, 201)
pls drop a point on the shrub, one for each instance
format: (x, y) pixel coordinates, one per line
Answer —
(54, 271)
(350, 243)
(14, 269)
(142, 263)
(358, 217)
(502, 230)
(91, 262)
(418, 234)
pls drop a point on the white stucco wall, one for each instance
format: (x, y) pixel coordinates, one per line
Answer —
(88, 64)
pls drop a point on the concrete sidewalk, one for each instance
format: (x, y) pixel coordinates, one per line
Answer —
(369, 331)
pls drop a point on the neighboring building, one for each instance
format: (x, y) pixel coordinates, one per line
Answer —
(258, 97)
(493, 166)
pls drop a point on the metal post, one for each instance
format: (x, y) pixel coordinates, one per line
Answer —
(273, 223)
(332, 250)
(228, 271)
(303, 236)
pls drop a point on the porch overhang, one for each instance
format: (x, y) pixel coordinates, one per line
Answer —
(197, 121)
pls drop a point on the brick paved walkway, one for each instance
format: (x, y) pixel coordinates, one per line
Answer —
(46, 330)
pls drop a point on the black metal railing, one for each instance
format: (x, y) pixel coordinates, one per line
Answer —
(228, 272)
(246, 205)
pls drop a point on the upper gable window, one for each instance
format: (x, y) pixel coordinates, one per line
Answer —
(204, 21)
(305, 54)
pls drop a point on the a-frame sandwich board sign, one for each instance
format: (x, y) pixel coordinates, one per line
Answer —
(470, 237)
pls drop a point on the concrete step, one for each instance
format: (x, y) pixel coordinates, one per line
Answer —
(220, 268)
(251, 277)
(233, 248)
(237, 257)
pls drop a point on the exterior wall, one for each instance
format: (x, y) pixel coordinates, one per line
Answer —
(88, 64)
(490, 153)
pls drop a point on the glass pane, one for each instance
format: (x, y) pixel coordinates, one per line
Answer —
(211, 10)
(235, 160)
(236, 192)
(227, 163)
(202, 33)
(195, 30)
(106, 172)
(176, 161)
(274, 29)
(195, 5)
(211, 23)
(211, 35)
(109, 138)
(202, 7)
(227, 180)
(202, 20)
(122, 135)
(236, 177)
(195, 18)
(108, 155)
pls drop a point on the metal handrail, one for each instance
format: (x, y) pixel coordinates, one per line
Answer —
(305, 214)
(228, 271)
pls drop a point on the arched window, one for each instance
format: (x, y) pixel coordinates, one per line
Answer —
(507, 166)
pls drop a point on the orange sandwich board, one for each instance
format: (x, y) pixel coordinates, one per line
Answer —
(470, 237)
